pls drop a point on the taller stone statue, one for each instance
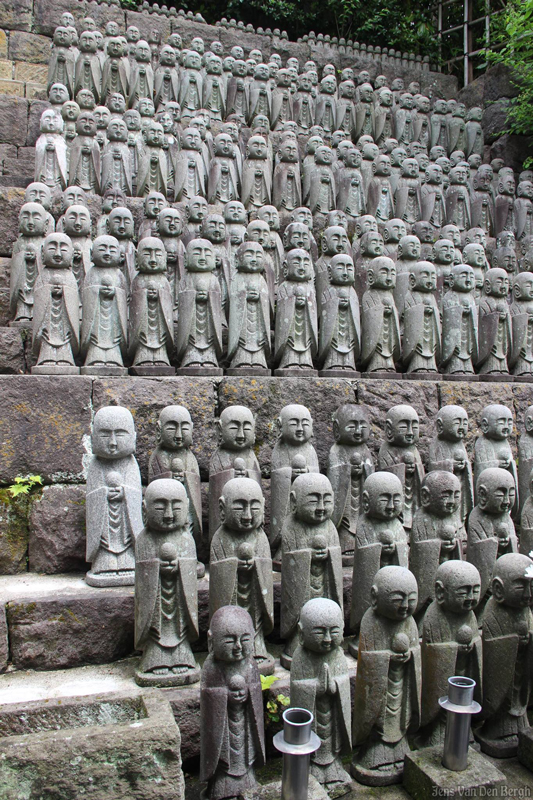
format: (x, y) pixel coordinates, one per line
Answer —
(399, 454)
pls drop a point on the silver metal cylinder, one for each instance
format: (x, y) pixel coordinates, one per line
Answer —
(296, 741)
(459, 705)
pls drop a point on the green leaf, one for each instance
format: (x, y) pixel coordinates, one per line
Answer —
(18, 489)
(267, 681)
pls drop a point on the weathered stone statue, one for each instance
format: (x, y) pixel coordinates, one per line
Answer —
(495, 327)
(460, 324)
(166, 78)
(214, 90)
(154, 202)
(286, 183)
(26, 261)
(311, 562)
(389, 660)
(256, 175)
(236, 439)
(84, 163)
(447, 452)
(482, 200)
(523, 208)
(380, 326)
(458, 198)
(56, 312)
(421, 322)
(273, 247)
(88, 68)
(232, 733)
(223, 182)
(199, 337)
(474, 255)
(152, 175)
(525, 460)
(241, 565)
(142, 75)
(404, 119)
(407, 196)
(432, 200)
(62, 60)
(439, 129)
(521, 357)
(114, 499)
(190, 179)
(437, 534)
(120, 225)
(296, 334)
(393, 232)
(51, 152)
(77, 226)
(350, 462)
(340, 331)
(321, 192)
(166, 594)
(399, 454)
(151, 326)
(383, 117)
(474, 131)
(507, 652)
(249, 314)
(351, 197)
(170, 230)
(320, 683)
(116, 162)
(380, 195)
(491, 531)
(409, 253)
(104, 328)
(451, 644)
(493, 448)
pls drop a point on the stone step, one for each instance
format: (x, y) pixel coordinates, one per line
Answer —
(59, 622)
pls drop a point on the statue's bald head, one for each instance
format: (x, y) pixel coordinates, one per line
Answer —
(113, 435)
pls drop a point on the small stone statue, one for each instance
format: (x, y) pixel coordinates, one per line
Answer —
(214, 90)
(507, 652)
(340, 331)
(409, 254)
(474, 131)
(286, 183)
(407, 197)
(491, 531)
(114, 499)
(232, 733)
(223, 182)
(26, 261)
(482, 200)
(525, 461)
(380, 539)
(170, 231)
(41, 194)
(460, 324)
(399, 454)
(199, 336)
(120, 225)
(458, 198)
(521, 357)
(380, 326)
(84, 165)
(474, 255)
(104, 328)
(393, 232)
(249, 314)
(437, 533)
(142, 75)
(351, 196)
(432, 200)
(56, 313)
(152, 175)
(77, 226)
(190, 179)
(236, 439)
(389, 660)
(320, 683)
(380, 196)
(166, 78)
(151, 326)
(62, 60)
(421, 323)
(311, 562)
(72, 196)
(523, 208)
(51, 152)
(492, 448)
(241, 565)
(256, 175)
(296, 335)
(116, 162)
(448, 452)
(350, 463)
(321, 192)
(154, 202)
(451, 644)
(166, 594)
(495, 327)
(88, 70)
(326, 104)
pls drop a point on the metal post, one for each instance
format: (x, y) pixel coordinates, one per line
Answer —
(296, 741)
(460, 705)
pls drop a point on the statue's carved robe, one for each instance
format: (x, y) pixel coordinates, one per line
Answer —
(331, 712)
(380, 333)
(421, 128)
(56, 320)
(116, 168)
(191, 90)
(249, 322)
(251, 589)
(427, 553)
(214, 97)
(84, 166)
(61, 68)
(525, 465)
(482, 211)
(483, 547)
(322, 190)
(281, 481)
(441, 456)
(152, 175)
(408, 200)
(113, 524)
(115, 77)
(237, 97)
(282, 110)
(303, 109)
(223, 184)
(347, 481)
(166, 606)
(88, 74)
(199, 338)
(404, 125)
(296, 334)
(222, 470)
(364, 122)
(259, 101)
(443, 656)
(287, 187)
(456, 135)
(104, 329)
(350, 191)
(236, 743)
(166, 86)
(459, 332)
(151, 327)
(393, 459)
(380, 199)
(383, 124)
(523, 214)
(458, 207)
(340, 330)
(326, 112)
(495, 335)
(422, 332)
(256, 183)
(370, 556)
(382, 717)
(521, 356)
(141, 83)
(439, 131)
(474, 138)
(26, 264)
(433, 205)
(51, 161)
(345, 119)
(504, 214)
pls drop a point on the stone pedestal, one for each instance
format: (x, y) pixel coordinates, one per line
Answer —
(525, 748)
(424, 777)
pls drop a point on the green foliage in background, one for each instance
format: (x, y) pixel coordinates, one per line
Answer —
(512, 40)
(25, 485)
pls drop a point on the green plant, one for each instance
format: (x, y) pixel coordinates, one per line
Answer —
(274, 708)
(25, 485)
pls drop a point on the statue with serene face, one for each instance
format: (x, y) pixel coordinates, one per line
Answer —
(311, 562)
(389, 660)
(399, 454)
(492, 447)
(249, 314)
(451, 644)
(84, 155)
(223, 183)
(116, 162)
(495, 327)
(77, 226)
(26, 261)
(232, 733)
(320, 683)
(447, 451)
(507, 650)
(114, 498)
(56, 310)
(421, 322)
(380, 325)
(460, 324)
(340, 332)
(296, 334)
(51, 152)
(241, 565)
(166, 594)
(256, 175)
(521, 357)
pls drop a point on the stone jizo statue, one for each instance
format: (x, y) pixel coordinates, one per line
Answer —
(447, 451)
(493, 448)
(460, 338)
(249, 314)
(422, 333)
(296, 335)
(380, 325)
(26, 261)
(399, 454)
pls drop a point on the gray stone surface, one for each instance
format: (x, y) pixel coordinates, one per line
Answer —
(495, 119)
(11, 351)
(13, 120)
(36, 109)
(57, 530)
(29, 47)
(11, 201)
(4, 643)
(13, 534)
(16, 15)
(424, 776)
